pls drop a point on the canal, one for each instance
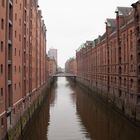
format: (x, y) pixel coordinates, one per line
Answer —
(72, 113)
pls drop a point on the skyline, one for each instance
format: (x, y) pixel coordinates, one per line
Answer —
(71, 23)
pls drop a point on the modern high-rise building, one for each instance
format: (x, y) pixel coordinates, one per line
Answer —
(22, 59)
(52, 53)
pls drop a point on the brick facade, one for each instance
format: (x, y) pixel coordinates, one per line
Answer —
(52, 66)
(3, 64)
(22, 59)
(110, 63)
(71, 66)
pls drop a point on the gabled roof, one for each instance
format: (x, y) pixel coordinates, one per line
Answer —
(111, 22)
(125, 11)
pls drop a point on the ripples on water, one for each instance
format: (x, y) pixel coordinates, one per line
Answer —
(70, 113)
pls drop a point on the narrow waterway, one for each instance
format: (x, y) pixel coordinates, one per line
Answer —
(71, 113)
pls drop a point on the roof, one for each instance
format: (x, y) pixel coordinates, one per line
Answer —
(111, 22)
(134, 4)
(125, 11)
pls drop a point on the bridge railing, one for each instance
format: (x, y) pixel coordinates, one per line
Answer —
(64, 75)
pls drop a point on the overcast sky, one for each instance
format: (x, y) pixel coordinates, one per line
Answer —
(71, 22)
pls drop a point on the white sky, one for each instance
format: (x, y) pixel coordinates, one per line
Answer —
(71, 22)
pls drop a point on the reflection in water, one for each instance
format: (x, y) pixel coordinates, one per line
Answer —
(64, 123)
(101, 122)
(39, 125)
(70, 113)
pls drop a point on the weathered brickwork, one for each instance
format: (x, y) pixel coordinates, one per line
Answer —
(23, 63)
(110, 63)
(2, 67)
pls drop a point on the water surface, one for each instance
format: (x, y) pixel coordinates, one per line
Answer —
(71, 113)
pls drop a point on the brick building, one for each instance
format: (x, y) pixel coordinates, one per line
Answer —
(71, 66)
(52, 67)
(22, 59)
(3, 64)
(110, 63)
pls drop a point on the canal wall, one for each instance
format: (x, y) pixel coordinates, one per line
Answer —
(16, 131)
(118, 104)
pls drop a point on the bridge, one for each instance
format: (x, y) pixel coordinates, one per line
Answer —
(64, 75)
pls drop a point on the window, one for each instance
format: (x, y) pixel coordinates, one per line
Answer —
(124, 68)
(15, 51)
(15, 69)
(1, 69)
(131, 83)
(1, 92)
(120, 80)
(124, 81)
(139, 69)
(120, 69)
(15, 34)
(2, 122)
(131, 57)
(131, 34)
(120, 93)
(3, 3)
(20, 21)
(139, 85)
(138, 56)
(19, 37)
(115, 80)
(2, 23)
(138, 99)
(1, 46)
